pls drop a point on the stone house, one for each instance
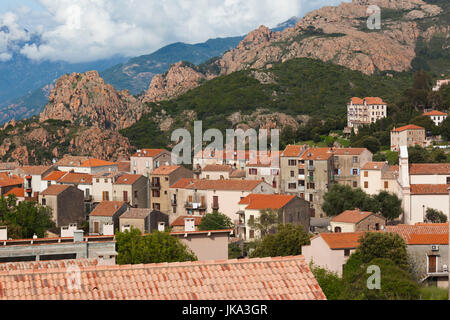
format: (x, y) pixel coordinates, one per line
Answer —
(410, 135)
(131, 188)
(290, 173)
(66, 202)
(348, 163)
(291, 209)
(144, 161)
(357, 220)
(146, 220)
(365, 111)
(186, 223)
(104, 219)
(267, 170)
(160, 181)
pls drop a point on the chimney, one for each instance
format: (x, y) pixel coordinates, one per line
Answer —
(3, 233)
(161, 226)
(189, 224)
(78, 236)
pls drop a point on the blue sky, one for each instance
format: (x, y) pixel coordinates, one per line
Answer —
(87, 30)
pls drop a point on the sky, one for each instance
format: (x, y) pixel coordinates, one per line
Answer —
(88, 30)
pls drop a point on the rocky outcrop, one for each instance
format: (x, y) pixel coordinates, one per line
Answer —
(86, 100)
(263, 119)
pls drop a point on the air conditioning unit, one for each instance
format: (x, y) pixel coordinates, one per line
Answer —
(435, 248)
(445, 268)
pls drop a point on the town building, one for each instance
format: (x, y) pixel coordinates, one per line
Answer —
(66, 202)
(348, 163)
(292, 176)
(267, 170)
(331, 250)
(33, 179)
(291, 209)
(160, 181)
(144, 219)
(436, 116)
(244, 279)
(186, 223)
(440, 83)
(81, 164)
(9, 181)
(410, 135)
(357, 220)
(199, 197)
(144, 161)
(104, 219)
(216, 172)
(379, 176)
(365, 111)
(133, 189)
(8, 166)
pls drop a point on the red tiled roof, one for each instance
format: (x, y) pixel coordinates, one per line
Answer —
(373, 166)
(317, 154)
(54, 176)
(34, 170)
(107, 208)
(419, 231)
(177, 233)
(429, 188)
(182, 183)
(408, 127)
(429, 168)
(229, 185)
(356, 100)
(238, 174)
(136, 213)
(179, 222)
(124, 166)
(71, 161)
(368, 100)
(148, 153)
(430, 239)
(7, 180)
(45, 265)
(128, 179)
(342, 240)
(18, 192)
(266, 201)
(165, 170)
(434, 113)
(92, 163)
(279, 278)
(352, 216)
(348, 151)
(217, 168)
(292, 151)
(54, 190)
(76, 178)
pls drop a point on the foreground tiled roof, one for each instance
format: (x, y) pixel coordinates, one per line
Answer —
(434, 113)
(7, 180)
(71, 161)
(229, 185)
(408, 127)
(18, 192)
(368, 100)
(45, 265)
(237, 174)
(281, 278)
(164, 170)
(342, 240)
(54, 190)
(107, 208)
(352, 216)
(428, 239)
(148, 153)
(128, 179)
(429, 168)
(266, 201)
(429, 188)
(421, 229)
(179, 222)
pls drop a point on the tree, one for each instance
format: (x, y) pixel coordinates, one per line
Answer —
(371, 143)
(391, 246)
(435, 216)
(390, 205)
(25, 219)
(266, 222)
(215, 221)
(330, 283)
(288, 241)
(445, 129)
(134, 248)
(418, 154)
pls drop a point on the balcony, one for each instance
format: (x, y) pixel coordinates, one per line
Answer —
(88, 198)
(311, 167)
(173, 203)
(195, 205)
(301, 188)
(301, 177)
(197, 170)
(155, 185)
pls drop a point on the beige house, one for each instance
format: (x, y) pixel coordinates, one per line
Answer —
(291, 175)
(146, 220)
(199, 197)
(81, 164)
(291, 209)
(102, 186)
(365, 111)
(160, 181)
(436, 116)
(348, 163)
(357, 220)
(216, 172)
(144, 161)
(131, 188)
(33, 179)
(379, 176)
(410, 135)
(104, 219)
(266, 170)
(66, 202)
(331, 250)
(186, 223)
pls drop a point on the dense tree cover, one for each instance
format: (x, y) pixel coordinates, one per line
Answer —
(146, 133)
(330, 283)
(267, 222)
(134, 248)
(342, 197)
(435, 216)
(215, 221)
(25, 219)
(288, 241)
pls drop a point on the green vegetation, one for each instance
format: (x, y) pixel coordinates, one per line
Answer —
(433, 293)
(288, 241)
(24, 219)
(266, 223)
(435, 216)
(215, 221)
(341, 197)
(330, 283)
(134, 248)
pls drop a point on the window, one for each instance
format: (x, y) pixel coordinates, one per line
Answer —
(292, 186)
(252, 171)
(44, 201)
(355, 172)
(106, 180)
(97, 180)
(355, 184)
(355, 159)
(207, 177)
(292, 173)
(366, 184)
(156, 206)
(105, 196)
(156, 194)
(366, 174)
(292, 162)
(311, 198)
(386, 184)
(252, 234)
(167, 178)
(147, 164)
(346, 252)
(136, 194)
(448, 180)
(125, 196)
(301, 171)
(337, 229)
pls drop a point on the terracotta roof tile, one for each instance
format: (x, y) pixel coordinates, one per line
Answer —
(352, 216)
(182, 183)
(434, 113)
(13, 267)
(256, 279)
(18, 192)
(54, 190)
(128, 179)
(266, 201)
(7, 180)
(54, 176)
(373, 166)
(344, 240)
(149, 153)
(428, 239)
(136, 213)
(179, 222)
(165, 170)
(348, 151)
(408, 127)
(230, 185)
(238, 173)
(429, 168)
(317, 154)
(76, 178)
(293, 151)
(92, 163)
(418, 231)
(71, 161)
(107, 208)
(368, 100)
(429, 188)
(217, 168)
(34, 170)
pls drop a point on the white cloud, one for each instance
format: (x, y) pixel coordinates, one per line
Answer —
(10, 33)
(86, 30)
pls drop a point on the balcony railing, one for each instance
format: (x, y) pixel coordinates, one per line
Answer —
(195, 205)
(88, 198)
(155, 185)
